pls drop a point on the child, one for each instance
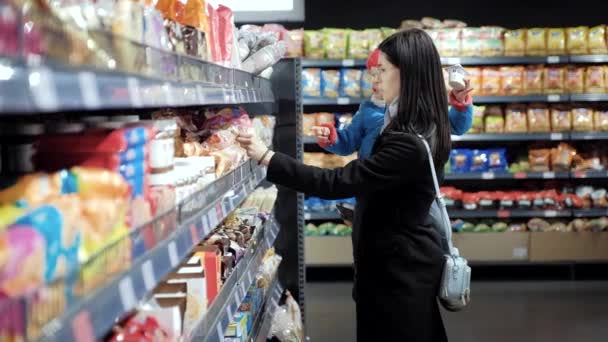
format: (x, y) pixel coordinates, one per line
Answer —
(367, 123)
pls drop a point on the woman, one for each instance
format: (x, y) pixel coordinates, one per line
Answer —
(398, 258)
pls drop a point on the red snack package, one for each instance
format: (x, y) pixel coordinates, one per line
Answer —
(213, 36)
(470, 201)
(225, 37)
(524, 200)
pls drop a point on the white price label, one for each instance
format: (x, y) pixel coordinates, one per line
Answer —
(277, 291)
(275, 304)
(488, 175)
(147, 270)
(267, 238)
(343, 100)
(127, 294)
(550, 213)
(552, 59)
(173, 258)
(553, 98)
(520, 252)
(452, 61)
(88, 89)
(134, 91)
(348, 62)
(307, 216)
(557, 136)
(44, 91)
(209, 217)
(548, 175)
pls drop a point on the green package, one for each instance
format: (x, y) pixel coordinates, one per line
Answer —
(375, 37)
(358, 47)
(313, 44)
(336, 43)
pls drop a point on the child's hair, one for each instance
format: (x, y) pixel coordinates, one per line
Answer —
(372, 60)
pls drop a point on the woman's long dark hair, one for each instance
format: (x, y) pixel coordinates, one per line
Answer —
(423, 104)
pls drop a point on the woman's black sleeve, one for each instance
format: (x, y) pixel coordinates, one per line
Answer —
(401, 158)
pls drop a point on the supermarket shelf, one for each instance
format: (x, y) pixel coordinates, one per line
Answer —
(503, 60)
(595, 212)
(471, 214)
(52, 88)
(328, 251)
(511, 137)
(309, 140)
(590, 174)
(333, 63)
(328, 215)
(212, 326)
(340, 101)
(589, 136)
(96, 314)
(589, 97)
(589, 59)
(523, 98)
(506, 175)
(263, 322)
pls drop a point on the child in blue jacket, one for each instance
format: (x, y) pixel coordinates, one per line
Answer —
(367, 123)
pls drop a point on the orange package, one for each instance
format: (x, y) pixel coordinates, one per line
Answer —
(512, 80)
(600, 120)
(575, 79)
(582, 119)
(561, 157)
(533, 80)
(490, 81)
(167, 8)
(595, 81)
(554, 80)
(516, 119)
(538, 119)
(474, 75)
(561, 119)
(191, 13)
(539, 160)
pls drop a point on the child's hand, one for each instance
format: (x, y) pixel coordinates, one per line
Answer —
(321, 133)
(463, 95)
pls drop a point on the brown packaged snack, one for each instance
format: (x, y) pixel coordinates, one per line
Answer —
(490, 81)
(539, 160)
(595, 81)
(538, 119)
(512, 80)
(494, 120)
(536, 42)
(556, 41)
(516, 119)
(582, 119)
(600, 120)
(576, 40)
(533, 80)
(561, 119)
(575, 79)
(561, 157)
(554, 80)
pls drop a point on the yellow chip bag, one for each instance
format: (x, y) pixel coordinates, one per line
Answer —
(596, 40)
(536, 42)
(576, 40)
(556, 41)
(515, 42)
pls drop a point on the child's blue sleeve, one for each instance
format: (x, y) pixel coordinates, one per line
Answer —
(349, 139)
(460, 122)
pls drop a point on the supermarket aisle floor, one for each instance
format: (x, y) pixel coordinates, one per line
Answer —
(500, 312)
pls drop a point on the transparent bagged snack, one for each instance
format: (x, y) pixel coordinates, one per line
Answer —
(554, 78)
(313, 44)
(492, 43)
(516, 119)
(295, 47)
(335, 42)
(366, 84)
(350, 82)
(596, 40)
(539, 119)
(576, 40)
(387, 31)
(409, 24)
(582, 119)
(265, 58)
(494, 121)
(330, 83)
(375, 38)
(575, 79)
(478, 119)
(491, 81)
(515, 42)
(449, 42)
(556, 41)
(311, 82)
(536, 41)
(287, 322)
(475, 79)
(595, 80)
(561, 119)
(471, 41)
(533, 79)
(539, 160)
(512, 80)
(358, 47)
(600, 120)
(561, 157)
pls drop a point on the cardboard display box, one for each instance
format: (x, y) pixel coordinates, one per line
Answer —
(482, 247)
(556, 246)
(328, 251)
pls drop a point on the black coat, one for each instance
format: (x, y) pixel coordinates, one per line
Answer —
(398, 257)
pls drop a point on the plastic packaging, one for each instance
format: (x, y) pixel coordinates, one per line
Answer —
(313, 44)
(595, 80)
(264, 58)
(516, 120)
(359, 44)
(366, 84)
(330, 83)
(533, 80)
(575, 79)
(350, 81)
(515, 42)
(556, 41)
(512, 80)
(536, 42)
(600, 119)
(576, 42)
(582, 119)
(561, 119)
(494, 120)
(479, 161)
(491, 81)
(295, 47)
(554, 78)
(311, 82)
(460, 160)
(596, 40)
(539, 119)
(335, 42)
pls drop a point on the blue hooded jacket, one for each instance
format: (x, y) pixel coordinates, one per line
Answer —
(365, 127)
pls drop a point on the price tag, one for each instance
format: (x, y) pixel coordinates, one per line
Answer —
(548, 175)
(237, 298)
(552, 59)
(205, 224)
(82, 329)
(343, 101)
(267, 239)
(520, 253)
(503, 213)
(127, 294)
(488, 175)
(43, 89)
(348, 62)
(148, 272)
(452, 61)
(229, 312)
(553, 98)
(520, 175)
(277, 291)
(173, 258)
(249, 277)
(220, 213)
(307, 216)
(580, 174)
(134, 91)
(210, 219)
(88, 89)
(550, 213)
(557, 136)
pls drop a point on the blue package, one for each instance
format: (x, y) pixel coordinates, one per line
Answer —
(133, 154)
(350, 82)
(316, 204)
(460, 160)
(479, 161)
(497, 160)
(311, 83)
(366, 84)
(330, 83)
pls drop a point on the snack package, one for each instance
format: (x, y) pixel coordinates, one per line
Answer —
(515, 42)
(494, 120)
(497, 160)
(228, 159)
(450, 39)
(533, 80)
(516, 119)
(576, 40)
(335, 42)
(358, 46)
(561, 119)
(595, 81)
(366, 84)
(538, 119)
(475, 80)
(561, 157)
(536, 42)
(295, 46)
(491, 41)
(596, 40)
(313, 45)
(479, 161)
(330, 83)
(512, 80)
(600, 120)
(539, 160)
(308, 121)
(554, 80)
(23, 265)
(387, 31)
(582, 119)
(226, 35)
(491, 81)
(375, 38)
(556, 41)
(478, 116)
(311, 82)
(350, 82)
(575, 79)
(326, 118)
(213, 34)
(460, 160)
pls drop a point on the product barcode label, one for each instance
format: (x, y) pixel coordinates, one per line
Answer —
(147, 271)
(343, 100)
(173, 257)
(88, 89)
(127, 294)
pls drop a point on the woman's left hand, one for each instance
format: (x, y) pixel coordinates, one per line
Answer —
(256, 149)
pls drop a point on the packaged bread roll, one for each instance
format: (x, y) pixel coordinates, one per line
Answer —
(538, 119)
(490, 81)
(556, 41)
(512, 80)
(474, 75)
(492, 43)
(536, 42)
(600, 120)
(516, 120)
(561, 119)
(582, 119)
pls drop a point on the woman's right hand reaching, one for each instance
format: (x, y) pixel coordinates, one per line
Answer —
(325, 134)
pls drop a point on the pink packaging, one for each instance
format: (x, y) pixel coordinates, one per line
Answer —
(214, 34)
(226, 36)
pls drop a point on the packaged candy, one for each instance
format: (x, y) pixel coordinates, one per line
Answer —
(516, 120)
(561, 119)
(366, 84)
(575, 79)
(460, 160)
(536, 42)
(358, 46)
(311, 82)
(491, 41)
(554, 80)
(533, 79)
(582, 119)
(330, 83)
(595, 80)
(512, 80)
(515, 42)
(596, 40)
(600, 119)
(539, 160)
(556, 41)
(538, 119)
(313, 44)
(350, 80)
(576, 40)
(491, 81)
(479, 161)
(335, 42)
(494, 120)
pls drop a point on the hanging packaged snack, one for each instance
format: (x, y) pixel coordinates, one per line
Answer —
(479, 161)
(330, 83)
(536, 42)
(492, 41)
(226, 35)
(490, 81)
(460, 160)
(452, 45)
(366, 84)
(582, 119)
(313, 45)
(596, 40)
(575, 79)
(350, 80)
(600, 120)
(576, 40)
(595, 80)
(494, 120)
(539, 160)
(515, 42)
(538, 119)
(358, 46)
(533, 79)
(556, 41)
(512, 80)
(478, 116)
(554, 80)
(335, 42)
(475, 79)
(311, 82)
(516, 119)
(561, 119)
(375, 38)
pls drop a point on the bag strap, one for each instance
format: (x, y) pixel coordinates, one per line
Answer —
(447, 225)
